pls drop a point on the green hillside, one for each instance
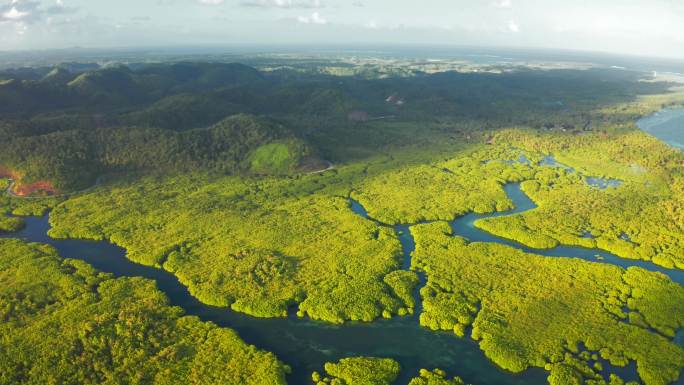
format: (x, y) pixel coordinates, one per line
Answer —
(73, 159)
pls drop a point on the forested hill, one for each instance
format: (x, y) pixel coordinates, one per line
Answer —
(65, 126)
(116, 87)
(73, 159)
(65, 129)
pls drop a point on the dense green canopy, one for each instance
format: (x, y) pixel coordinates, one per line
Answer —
(207, 176)
(62, 322)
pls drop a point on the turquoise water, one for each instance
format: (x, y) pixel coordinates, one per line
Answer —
(666, 125)
(306, 345)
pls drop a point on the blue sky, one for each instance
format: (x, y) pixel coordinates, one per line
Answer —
(648, 27)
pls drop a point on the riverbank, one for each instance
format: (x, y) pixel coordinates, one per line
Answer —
(667, 125)
(305, 344)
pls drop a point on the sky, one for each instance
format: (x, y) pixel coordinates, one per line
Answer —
(640, 27)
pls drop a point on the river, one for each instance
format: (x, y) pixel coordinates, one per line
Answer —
(303, 344)
(306, 345)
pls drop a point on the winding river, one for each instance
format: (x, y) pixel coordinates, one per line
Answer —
(303, 344)
(465, 227)
(306, 345)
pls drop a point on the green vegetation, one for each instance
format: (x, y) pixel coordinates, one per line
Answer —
(182, 112)
(376, 371)
(435, 377)
(640, 219)
(260, 245)
(66, 127)
(206, 167)
(359, 371)
(277, 158)
(27, 207)
(470, 181)
(10, 224)
(257, 246)
(74, 158)
(62, 322)
(527, 310)
(19, 206)
(403, 283)
(114, 119)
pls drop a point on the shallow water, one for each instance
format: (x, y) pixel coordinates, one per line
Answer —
(552, 162)
(666, 125)
(306, 345)
(602, 183)
(593, 181)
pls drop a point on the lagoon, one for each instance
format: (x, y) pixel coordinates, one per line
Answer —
(667, 125)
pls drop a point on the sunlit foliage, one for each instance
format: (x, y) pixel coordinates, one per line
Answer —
(359, 371)
(443, 190)
(62, 322)
(73, 159)
(19, 206)
(527, 310)
(640, 219)
(266, 245)
(435, 377)
(257, 246)
(376, 371)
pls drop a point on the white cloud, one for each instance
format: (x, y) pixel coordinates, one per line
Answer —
(32, 12)
(282, 3)
(14, 14)
(21, 28)
(635, 26)
(513, 26)
(503, 3)
(315, 18)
